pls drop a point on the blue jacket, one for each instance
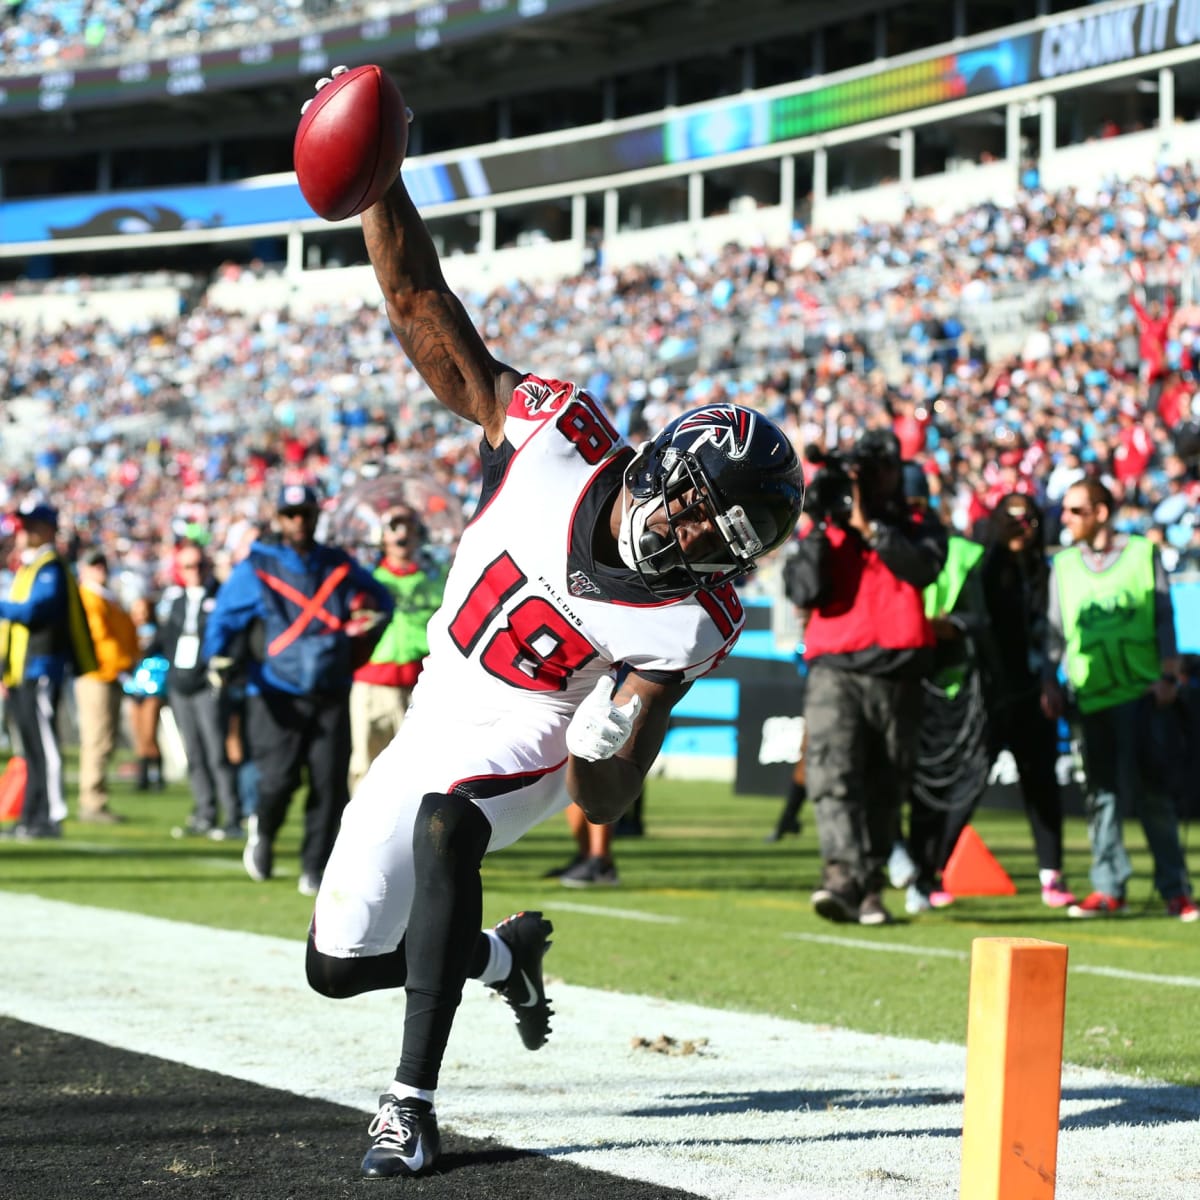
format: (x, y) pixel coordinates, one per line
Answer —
(303, 651)
(44, 612)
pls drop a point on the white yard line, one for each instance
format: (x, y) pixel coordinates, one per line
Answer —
(1139, 976)
(890, 947)
(766, 1109)
(619, 914)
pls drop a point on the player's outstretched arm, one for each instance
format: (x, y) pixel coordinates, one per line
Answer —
(429, 319)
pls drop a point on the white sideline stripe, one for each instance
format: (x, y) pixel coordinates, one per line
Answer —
(1139, 976)
(942, 952)
(624, 914)
(767, 1109)
(885, 947)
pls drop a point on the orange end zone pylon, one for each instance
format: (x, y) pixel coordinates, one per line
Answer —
(1014, 1069)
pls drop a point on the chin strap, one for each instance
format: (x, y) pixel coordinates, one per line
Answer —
(625, 533)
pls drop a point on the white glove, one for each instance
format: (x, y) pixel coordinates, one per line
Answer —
(599, 727)
(326, 79)
(219, 667)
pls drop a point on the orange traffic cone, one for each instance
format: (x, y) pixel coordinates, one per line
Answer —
(12, 788)
(972, 869)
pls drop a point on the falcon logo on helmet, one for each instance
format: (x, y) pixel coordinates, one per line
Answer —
(730, 429)
(725, 463)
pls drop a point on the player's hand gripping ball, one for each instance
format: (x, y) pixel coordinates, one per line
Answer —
(599, 727)
(351, 141)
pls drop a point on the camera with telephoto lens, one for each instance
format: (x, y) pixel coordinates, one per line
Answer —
(829, 497)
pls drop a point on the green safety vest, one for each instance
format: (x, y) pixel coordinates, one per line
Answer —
(962, 556)
(942, 594)
(1108, 624)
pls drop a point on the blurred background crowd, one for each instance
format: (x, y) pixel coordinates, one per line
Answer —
(1010, 349)
(51, 33)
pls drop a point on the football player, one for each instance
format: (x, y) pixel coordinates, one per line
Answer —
(585, 556)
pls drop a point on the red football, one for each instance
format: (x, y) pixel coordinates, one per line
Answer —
(350, 143)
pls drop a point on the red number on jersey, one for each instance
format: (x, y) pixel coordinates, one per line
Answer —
(724, 606)
(537, 649)
(589, 431)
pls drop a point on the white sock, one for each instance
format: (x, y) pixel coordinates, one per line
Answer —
(1048, 877)
(499, 963)
(404, 1091)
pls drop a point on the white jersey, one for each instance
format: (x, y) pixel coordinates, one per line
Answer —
(529, 616)
(529, 621)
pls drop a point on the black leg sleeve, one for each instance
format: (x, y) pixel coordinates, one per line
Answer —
(449, 840)
(338, 978)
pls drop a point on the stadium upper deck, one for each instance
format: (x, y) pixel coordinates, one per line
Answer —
(566, 122)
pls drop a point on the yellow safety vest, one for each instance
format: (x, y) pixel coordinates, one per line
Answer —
(14, 637)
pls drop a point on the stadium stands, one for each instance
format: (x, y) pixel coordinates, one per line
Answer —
(984, 310)
(54, 33)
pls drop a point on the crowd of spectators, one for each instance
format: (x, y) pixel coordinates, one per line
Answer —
(36, 34)
(146, 431)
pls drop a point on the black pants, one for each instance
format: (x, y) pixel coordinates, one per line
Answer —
(35, 711)
(289, 733)
(862, 740)
(1020, 726)
(953, 761)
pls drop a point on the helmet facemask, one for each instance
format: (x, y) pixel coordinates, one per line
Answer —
(659, 560)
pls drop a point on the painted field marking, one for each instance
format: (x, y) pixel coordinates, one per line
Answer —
(826, 939)
(771, 1109)
(942, 952)
(622, 914)
(1139, 976)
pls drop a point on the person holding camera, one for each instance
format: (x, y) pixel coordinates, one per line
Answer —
(861, 573)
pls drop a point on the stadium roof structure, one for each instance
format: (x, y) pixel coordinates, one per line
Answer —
(259, 83)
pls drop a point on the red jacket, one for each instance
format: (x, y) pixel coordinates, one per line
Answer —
(1152, 336)
(861, 588)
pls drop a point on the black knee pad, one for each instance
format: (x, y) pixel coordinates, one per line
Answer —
(449, 828)
(332, 977)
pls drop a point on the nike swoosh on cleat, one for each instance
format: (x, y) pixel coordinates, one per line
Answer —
(416, 1161)
(533, 996)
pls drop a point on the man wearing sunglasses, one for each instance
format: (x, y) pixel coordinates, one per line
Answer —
(382, 687)
(1112, 626)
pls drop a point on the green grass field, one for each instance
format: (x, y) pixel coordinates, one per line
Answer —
(736, 930)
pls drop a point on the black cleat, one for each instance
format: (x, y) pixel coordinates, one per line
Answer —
(405, 1138)
(834, 905)
(525, 934)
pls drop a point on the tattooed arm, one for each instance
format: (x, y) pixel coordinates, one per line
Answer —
(429, 319)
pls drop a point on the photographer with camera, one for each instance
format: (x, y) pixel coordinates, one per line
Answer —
(860, 572)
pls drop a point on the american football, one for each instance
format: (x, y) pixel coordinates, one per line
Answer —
(350, 143)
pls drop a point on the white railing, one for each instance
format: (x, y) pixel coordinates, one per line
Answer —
(121, 308)
(948, 193)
